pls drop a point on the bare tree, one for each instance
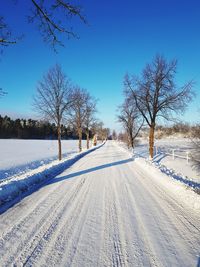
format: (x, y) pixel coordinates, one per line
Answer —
(51, 17)
(122, 136)
(78, 113)
(98, 130)
(94, 131)
(195, 138)
(156, 94)
(106, 133)
(114, 135)
(131, 120)
(89, 117)
(53, 98)
(102, 132)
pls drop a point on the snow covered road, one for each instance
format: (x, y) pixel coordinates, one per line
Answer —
(102, 211)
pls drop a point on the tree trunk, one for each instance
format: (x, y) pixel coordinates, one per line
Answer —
(151, 140)
(88, 140)
(59, 143)
(80, 140)
(132, 142)
(131, 139)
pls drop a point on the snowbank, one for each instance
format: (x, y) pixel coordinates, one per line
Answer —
(19, 156)
(14, 186)
(184, 189)
(180, 190)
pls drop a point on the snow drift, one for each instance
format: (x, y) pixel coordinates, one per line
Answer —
(16, 185)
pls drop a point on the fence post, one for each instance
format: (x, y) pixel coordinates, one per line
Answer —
(173, 153)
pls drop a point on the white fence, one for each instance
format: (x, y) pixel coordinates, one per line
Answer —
(184, 154)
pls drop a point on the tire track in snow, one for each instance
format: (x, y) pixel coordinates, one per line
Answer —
(36, 207)
(22, 234)
(89, 242)
(114, 245)
(111, 216)
(174, 215)
(136, 255)
(50, 249)
(142, 230)
(35, 203)
(64, 247)
(42, 240)
(162, 243)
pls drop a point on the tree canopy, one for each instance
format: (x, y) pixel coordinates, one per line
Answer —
(53, 19)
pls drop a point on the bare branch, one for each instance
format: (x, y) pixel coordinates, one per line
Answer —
(82, 110)
(51, 18)
(53, 98)
(130, 118)
(5, 34)
(156, 95)
(49, 24)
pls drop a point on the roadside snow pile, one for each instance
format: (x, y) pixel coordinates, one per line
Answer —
(19, 156)
(176, 167)
(185, 189)
(178, 176)
(180, 190)
(14, 186)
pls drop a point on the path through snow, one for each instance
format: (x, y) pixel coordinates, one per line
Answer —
(102, 211)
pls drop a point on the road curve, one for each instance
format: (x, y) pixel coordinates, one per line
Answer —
(102, 211)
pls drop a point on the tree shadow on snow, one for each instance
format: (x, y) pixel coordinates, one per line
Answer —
(96, 168)
(57, 179)
(7, 173)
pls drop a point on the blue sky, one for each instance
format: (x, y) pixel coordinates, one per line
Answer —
(122, 36)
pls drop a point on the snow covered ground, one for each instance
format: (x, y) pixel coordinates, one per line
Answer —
(107, 209)
(24, 163)
(19, 156)
(22, 178)
(178, 168)
(179, 164)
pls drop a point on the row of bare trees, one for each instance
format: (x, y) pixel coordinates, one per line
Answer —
(59, 101)
(153, 95)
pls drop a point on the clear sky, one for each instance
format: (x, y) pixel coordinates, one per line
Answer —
(122, 36)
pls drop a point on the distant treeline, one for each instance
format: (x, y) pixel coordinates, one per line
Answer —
(32, 129)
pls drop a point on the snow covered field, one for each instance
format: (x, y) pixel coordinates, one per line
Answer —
(19, 156)
(24, 175)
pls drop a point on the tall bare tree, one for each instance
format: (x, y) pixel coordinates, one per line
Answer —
(51, 17)
(156, 94)
(53, 98)
(89, 117)
(78, 113)
(195, 138)
(131, 120)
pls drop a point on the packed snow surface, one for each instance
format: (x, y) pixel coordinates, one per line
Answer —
(107, 209)
(16, 185)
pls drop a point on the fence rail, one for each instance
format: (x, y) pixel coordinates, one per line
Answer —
(187, 155)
